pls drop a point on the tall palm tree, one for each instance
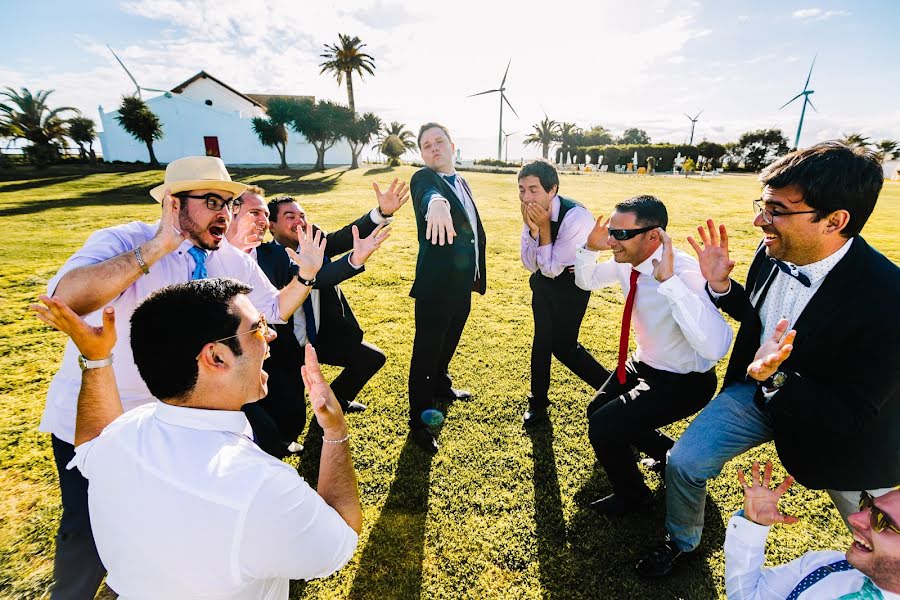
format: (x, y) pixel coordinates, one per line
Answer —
(856, 139)
(545, 133)
(272, 130)
(27, 116)
(345, 58)
(83, 130)
(136, 118)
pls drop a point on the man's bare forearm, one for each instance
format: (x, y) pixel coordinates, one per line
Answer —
(291, 296)
(337, 480)
(98, 403)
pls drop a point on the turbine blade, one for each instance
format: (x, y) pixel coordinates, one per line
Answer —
(806, 85)
(506, 73)
(130, 76)
(502, 95)
(154, 90)
(791, 100)
(698, 115)
(482, 93)
(688, 116)
(811, 104)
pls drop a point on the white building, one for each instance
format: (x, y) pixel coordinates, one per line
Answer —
(204, 116)
(891, 169)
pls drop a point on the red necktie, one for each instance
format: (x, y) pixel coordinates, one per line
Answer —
(626, 327)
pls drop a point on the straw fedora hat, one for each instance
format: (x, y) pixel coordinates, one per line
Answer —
(197, 173)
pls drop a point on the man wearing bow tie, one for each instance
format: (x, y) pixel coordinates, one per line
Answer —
(450, 266)
(816, 363)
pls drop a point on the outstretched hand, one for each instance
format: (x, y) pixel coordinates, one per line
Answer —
(391, 200)
(598, 238)
(773, 352)
(311, 252)
(324, 404)
(665, 268)
(440, 223)
(761, 502)
(94, 343)
(715, 264)
(363, 248)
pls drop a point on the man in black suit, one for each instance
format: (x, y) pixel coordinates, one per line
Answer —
(450, 266)
(816, 363)
(326, 320)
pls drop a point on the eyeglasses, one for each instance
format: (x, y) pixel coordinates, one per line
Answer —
(261, 327)
(769, 214)
(215, 202)
(879, 520)
(627, 234)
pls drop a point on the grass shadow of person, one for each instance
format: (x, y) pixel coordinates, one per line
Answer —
(378, 171)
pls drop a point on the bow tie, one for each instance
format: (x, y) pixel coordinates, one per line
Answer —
(791, 270)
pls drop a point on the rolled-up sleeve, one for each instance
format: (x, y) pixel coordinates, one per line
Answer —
(529, 250)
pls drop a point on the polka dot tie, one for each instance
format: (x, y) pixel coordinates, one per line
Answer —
(817, 576)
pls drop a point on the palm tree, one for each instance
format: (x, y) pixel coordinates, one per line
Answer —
(136, 118)
(889, 149)
(345, 58)
(406, 137)
(272, 131)
(393, 147)
(359, 133)
(567, 134)
(83, 130)
(856, 139)
(27, 116)
(545, 133)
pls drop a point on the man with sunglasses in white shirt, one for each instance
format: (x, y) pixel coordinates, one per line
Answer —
(119, 267)
(679, 334)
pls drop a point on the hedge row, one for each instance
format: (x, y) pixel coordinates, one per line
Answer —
(623, 154)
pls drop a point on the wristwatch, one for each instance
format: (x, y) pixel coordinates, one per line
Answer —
(380, 212)
(776, 381)
(86, 364)
(306, 282)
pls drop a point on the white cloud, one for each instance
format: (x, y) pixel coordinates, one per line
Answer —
(743, 18)
(818, 14)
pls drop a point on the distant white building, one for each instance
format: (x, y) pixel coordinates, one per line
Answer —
(891, 169)
(204, 116)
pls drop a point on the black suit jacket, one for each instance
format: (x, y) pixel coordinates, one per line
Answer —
(837, 419)
(447, 270)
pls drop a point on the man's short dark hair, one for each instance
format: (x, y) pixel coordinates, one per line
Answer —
(648, 210)
(831, 176)
(274, 206)
(544, 171)
(432, 125)
(170, 328)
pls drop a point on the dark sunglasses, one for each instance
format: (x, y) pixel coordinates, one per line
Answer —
(879, 520)
(215, 202)
(627, 234)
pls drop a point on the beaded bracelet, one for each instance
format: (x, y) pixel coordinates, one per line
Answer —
(340, 441)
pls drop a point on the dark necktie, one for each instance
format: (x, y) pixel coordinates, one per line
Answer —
(626, 327)
(451, 179)
(310, 316)
(817, 576)
(199, 262)
(791, 270)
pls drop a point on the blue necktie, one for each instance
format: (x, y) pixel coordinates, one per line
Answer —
(451, 179)
(200, 262)
(867, 592)
(817, 576)
(310, 315)
(791, 270)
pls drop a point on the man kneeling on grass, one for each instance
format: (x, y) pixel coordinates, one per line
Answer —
(182, 503)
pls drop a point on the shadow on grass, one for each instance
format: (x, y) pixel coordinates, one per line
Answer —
(391, 563)
(379, 170)
(120, 196)
(39, 182)
(290, 183)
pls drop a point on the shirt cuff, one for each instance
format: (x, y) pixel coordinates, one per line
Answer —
(377, 218)
(350, 261)
(748, 532)
(715, 294)
(81, 455)
(674, 288)
(587, 254)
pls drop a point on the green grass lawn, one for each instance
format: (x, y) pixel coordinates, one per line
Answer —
(498, 513)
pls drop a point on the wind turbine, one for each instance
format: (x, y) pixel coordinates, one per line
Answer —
(503, 99)
(138, 88)
(693, 122)
(506, 143)
(805, 93)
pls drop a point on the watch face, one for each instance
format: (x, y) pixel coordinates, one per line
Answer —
(779, 379)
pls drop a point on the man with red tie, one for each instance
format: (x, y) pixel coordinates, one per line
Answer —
(679, 334)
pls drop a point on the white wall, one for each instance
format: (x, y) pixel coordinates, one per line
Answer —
(204, 89)
(186, 121)
(891, 169)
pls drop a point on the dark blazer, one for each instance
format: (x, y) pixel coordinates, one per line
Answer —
(447, 270)
(837, 418)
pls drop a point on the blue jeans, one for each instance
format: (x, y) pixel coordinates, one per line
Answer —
(730, 425)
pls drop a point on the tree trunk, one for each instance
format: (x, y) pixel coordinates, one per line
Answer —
(282, 151)
(91, 153)
(354, 153)
(350, 94)
(546, 150)
(320, 157)
(153, 161)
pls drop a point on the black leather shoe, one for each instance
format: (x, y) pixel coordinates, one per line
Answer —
(455, 394)
(661, 560)
(534, 416)
(355, 407)
(424, 439)
(616, 506)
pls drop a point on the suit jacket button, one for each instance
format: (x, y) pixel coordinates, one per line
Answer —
(473, 241)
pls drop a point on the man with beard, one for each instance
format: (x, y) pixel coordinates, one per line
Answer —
(869, 569)
(119, 267)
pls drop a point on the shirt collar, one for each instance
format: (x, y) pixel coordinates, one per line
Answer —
(554, 208)
(817, 270)
(646, 267)
(232, 421)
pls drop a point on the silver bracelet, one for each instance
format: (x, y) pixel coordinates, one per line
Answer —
(340, 441)
(140, 260)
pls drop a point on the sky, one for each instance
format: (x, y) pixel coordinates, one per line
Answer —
(603, 62)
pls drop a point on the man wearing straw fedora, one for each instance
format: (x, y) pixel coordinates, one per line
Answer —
(119, 267)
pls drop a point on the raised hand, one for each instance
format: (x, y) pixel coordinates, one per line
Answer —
(324, 404)
(598, 238)
(390, 201)
(760, 502)
(440, 223)
(538, 215)
(715, 265)
(311, 252)
(665, 268)
(168, 235)
(363, 248)
(94, 343)
(773, 352)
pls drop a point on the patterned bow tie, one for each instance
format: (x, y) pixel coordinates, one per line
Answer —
(791, 270)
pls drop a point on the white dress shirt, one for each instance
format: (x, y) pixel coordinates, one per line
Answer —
(745, 579)
(552, 259)
(677, 327)
(184, 505)
(175, 267)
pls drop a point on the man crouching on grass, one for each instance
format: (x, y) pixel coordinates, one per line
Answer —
(183, 503)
